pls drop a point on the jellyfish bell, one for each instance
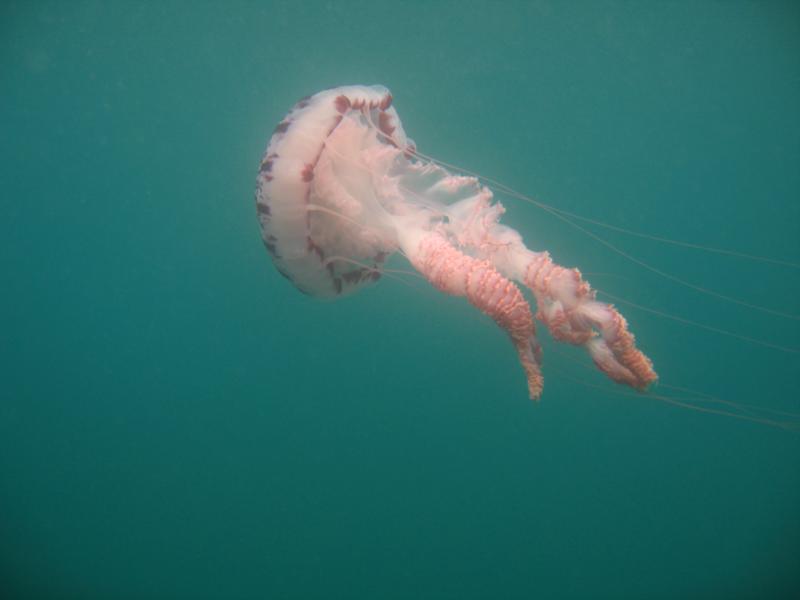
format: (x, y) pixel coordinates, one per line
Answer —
(341, 188)
(314, 202)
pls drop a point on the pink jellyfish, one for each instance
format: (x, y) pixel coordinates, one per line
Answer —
(341, 188)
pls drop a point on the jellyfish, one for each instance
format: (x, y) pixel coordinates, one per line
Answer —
(341, 188)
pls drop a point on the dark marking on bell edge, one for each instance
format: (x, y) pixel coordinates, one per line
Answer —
(385, 125)
(303, 102)
(312, 247)
(281, 127)
(353, 276)
(272, 248)
(263, 209)
(284, 273)
(342, 103)
(266, 166)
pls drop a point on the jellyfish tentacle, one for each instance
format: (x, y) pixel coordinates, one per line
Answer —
(455, 273)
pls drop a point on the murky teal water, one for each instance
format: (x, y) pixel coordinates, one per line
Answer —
(178, 421)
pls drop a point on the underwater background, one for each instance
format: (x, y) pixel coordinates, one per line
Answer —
(177, 421)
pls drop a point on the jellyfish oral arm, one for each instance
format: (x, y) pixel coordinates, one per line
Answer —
(565, 301)
(566, 304)
(568, 307)
(455, 273)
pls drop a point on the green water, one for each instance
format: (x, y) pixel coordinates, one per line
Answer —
(177, 421)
